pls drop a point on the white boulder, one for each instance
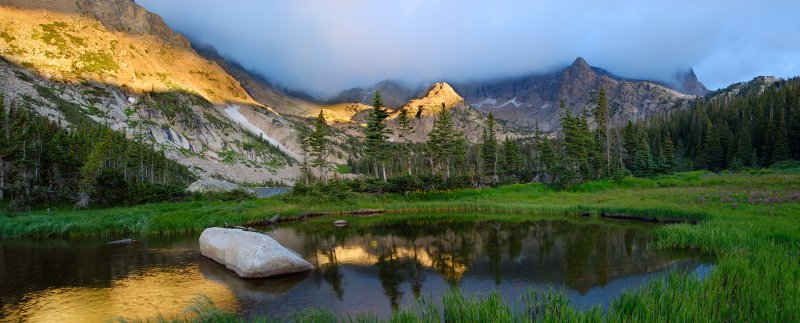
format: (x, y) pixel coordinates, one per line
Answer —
(214, 185)
(250, 254)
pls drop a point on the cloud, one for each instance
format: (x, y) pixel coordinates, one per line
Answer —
(325, 46)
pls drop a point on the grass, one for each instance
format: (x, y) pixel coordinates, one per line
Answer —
(751, 221)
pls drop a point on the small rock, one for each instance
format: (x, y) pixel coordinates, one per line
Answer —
(250, 254)
(123, 241)
(340, 223)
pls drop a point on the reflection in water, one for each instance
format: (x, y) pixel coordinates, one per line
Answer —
(135, 297)
(376, 268)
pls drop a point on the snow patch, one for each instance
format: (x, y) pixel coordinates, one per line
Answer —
(233, 113)
(512, 101)
(488, 101)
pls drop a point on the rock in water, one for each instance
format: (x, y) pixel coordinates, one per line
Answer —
(250, 254)
(123, 241)
(340, 223)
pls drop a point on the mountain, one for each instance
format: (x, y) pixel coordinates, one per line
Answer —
(535, 99)
(423, 110)
(394, 94)
(112, 63)
(110, 42)
(258, 87)
(689, 84)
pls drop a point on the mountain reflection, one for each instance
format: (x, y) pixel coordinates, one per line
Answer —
(579, 256)
(377, 266)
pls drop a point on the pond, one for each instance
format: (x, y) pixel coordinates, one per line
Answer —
(374, 264)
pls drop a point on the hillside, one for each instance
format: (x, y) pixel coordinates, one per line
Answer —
(114, 63)
(70, 45)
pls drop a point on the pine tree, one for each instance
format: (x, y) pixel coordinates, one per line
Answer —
(643, 165)
(794, 128)
(405, 129)
(602, 138)
(489, 152)
(319, 143)
(377, 135)
(443, 142)
(781, 149)
(712, 148)
(629, 143)
(92, 168)
(512, 157)
(303, 135)
(547, 156)
(669, 154)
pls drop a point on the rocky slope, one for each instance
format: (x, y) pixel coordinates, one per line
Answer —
(114, 63)
(210, 139)
(109, 42)
(533, 99)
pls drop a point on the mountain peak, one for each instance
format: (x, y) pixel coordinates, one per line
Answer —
(443, 91)
(688, 83)
(580, 63)
(439, 95)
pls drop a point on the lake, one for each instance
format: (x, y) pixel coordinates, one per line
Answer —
(375, 264)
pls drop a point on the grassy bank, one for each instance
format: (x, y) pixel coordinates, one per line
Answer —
(751, 221)
(694, 195)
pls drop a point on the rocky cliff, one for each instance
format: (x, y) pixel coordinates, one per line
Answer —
(535, 99)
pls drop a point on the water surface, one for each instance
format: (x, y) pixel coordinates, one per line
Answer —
(374, 267)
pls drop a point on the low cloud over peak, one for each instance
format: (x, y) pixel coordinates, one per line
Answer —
(328, 46)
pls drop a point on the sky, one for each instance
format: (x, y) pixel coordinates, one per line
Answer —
(325, 46)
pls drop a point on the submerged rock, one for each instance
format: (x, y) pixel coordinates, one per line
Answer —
(123, 241)
(250, 254)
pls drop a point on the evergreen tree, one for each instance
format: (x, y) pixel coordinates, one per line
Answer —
(781, 148)
(443, 142)
(405, 129)
(303, 135)
(377, 135)
(669, 154)
(547, 156)
(92, 169)
(794, 127)
(712, 148)
(643, 165)
(489, 152)
(512, 157)
(319, 143)
(629, 141)
(602, 138)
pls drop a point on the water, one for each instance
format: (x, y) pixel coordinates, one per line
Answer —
(369, 267)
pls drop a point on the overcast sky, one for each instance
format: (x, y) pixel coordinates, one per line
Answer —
(324, 46)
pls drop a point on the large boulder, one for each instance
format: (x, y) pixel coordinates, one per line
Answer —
(250, 254)
(214, 185)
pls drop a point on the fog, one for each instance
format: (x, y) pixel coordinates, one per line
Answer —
(323, 46)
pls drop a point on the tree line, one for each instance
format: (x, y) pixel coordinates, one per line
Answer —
(751, 128)
(42, 163)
